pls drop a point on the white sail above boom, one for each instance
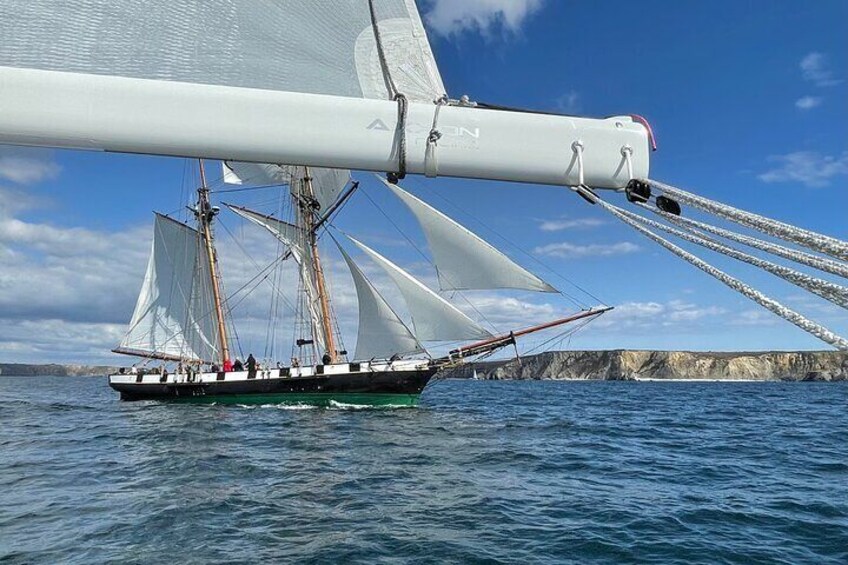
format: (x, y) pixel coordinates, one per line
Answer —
(316, 46)
(434, 318)
(174, 316)
(463, 260)
(278, 81)
(382, 333)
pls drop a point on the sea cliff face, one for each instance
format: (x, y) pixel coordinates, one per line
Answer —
(665, 365)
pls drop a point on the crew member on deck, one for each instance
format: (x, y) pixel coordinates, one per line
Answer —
(228, 365)
(326, 358)
(237, 366)
(251, 365)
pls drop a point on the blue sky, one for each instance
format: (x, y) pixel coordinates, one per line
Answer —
(747, 99)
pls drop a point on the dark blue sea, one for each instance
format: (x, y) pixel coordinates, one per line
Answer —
(482, 472)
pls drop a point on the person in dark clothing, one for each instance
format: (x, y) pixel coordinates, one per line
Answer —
(251, 365)
(237, 366)
(326, 359)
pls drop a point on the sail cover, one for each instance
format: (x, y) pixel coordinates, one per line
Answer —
(463, 260)
(382, 333)
(175, 313)
(307, 46)
(327, 184)
(434, 318)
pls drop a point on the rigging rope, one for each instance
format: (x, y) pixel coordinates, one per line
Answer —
(394, 94)
(833, 292)
(815, 261)
(812, 240)
(789, 315)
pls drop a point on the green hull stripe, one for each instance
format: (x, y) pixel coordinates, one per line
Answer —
(310, 399)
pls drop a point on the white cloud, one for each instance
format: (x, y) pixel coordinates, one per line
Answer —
(816, 69)
(657, 316)
(452, 17)
(569, 103)
(808, 102)
(567, 250)
(27, 165)
(809, 168)
(566, 224)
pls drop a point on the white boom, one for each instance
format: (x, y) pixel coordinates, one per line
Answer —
(86, 111)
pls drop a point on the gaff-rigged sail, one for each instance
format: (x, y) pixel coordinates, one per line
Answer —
(434, 318)
(382, 334)
(327, 184)
(174, 316)
(463, 260)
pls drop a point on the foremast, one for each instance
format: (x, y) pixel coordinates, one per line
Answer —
(205, 213)
(308, 206)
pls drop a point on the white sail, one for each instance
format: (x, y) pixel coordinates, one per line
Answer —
(327, 184)
(175, 313)
(463, 260)
(382, 333)
(316, 46)
(434, 318)
(294, 238)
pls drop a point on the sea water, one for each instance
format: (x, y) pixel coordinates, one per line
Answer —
(481, 472)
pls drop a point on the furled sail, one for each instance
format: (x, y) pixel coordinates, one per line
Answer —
(382, 333)
(434, 318)
(327, 184)
(174, 316)
(463, 260)
(293, 237)
(317, 46)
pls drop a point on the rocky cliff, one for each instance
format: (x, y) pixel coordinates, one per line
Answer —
(665, 365)
(23, 370)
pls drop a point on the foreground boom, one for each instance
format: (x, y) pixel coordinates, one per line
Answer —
(86, 111)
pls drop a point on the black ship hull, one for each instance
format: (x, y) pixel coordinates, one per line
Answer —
(386, 387)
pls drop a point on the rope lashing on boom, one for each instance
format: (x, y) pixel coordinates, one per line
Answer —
(812, 240)
(394, 94)
(832, 292)
(815, 261)
(431, 159)
(787, 314)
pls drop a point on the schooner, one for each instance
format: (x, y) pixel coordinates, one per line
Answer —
(181, 315)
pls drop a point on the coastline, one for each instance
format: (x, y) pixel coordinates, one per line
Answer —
(649, 365)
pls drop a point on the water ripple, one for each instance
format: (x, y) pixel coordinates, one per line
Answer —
(482, 472)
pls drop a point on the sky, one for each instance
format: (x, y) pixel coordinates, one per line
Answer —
(747, 100)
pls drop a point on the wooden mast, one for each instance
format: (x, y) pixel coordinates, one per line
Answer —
(306, 202)
(205, 213)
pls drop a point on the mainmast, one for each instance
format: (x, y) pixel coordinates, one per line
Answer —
(205, 213)
(307, 203)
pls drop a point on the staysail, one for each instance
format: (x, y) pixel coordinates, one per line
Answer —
(174, 316)
(463, 260)
(434, 318)
(382, 333)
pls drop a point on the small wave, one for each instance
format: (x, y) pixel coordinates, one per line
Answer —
(298, 406)
(335, 404)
